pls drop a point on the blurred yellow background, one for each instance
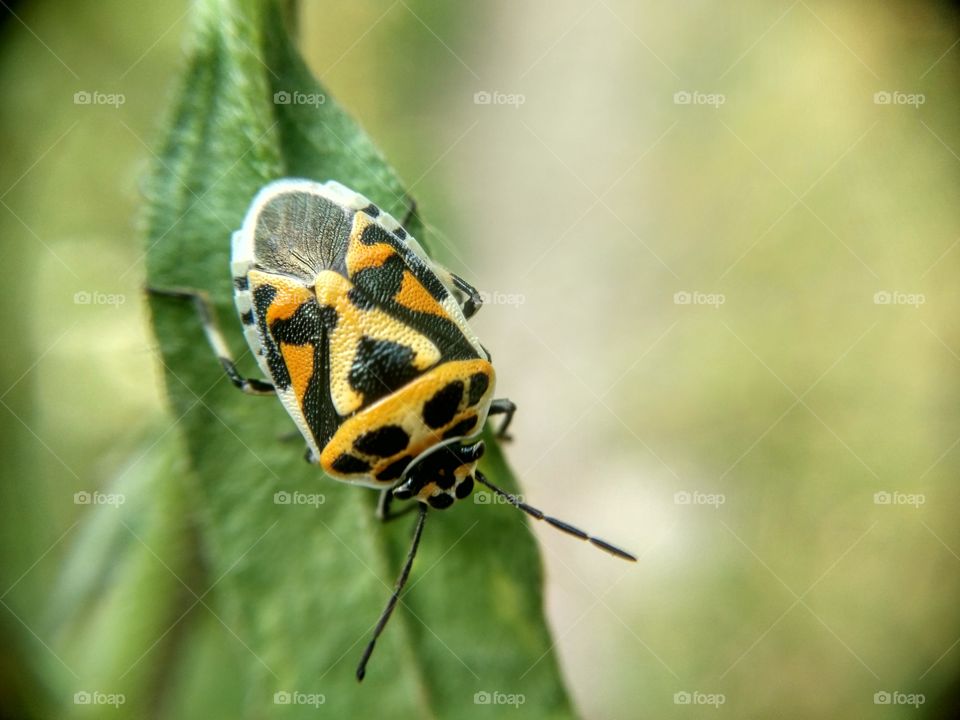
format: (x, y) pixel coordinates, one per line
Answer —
(717, 242)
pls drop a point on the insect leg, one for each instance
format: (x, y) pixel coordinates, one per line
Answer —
(473, 302)
(398, 588)
(503, 406)
(383, 507)
(204, 309)
(559, 524)
(411, 212)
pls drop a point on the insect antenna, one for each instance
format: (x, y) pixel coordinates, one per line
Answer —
(559, 524)
(398, 588)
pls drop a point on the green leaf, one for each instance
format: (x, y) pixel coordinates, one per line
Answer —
(128, 609)
(298, 587)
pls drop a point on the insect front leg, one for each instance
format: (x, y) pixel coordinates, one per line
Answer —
(503, 406)
(473, 300)
(411, 212)
(208, 321)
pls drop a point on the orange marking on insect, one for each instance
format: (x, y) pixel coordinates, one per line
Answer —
(415, 296)
(299, 362)
(361, 255)
(290, 294)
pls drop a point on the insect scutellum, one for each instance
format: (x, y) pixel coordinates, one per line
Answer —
(365, 341)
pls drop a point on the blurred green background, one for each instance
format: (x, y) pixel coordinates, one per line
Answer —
(718, 243)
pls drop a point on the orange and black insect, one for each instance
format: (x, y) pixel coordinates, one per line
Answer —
(365, 341)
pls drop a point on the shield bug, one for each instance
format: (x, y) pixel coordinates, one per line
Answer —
(366, 343)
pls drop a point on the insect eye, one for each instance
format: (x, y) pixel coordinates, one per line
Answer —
(403, 492)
